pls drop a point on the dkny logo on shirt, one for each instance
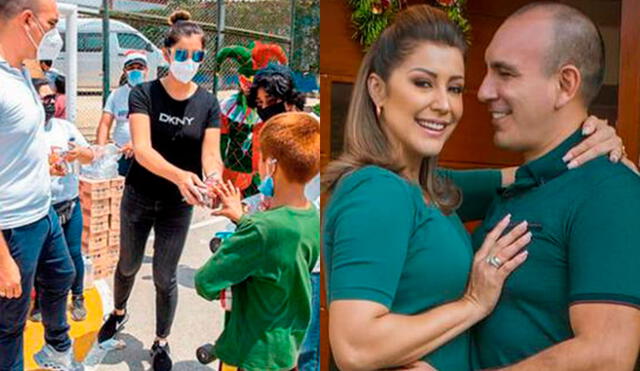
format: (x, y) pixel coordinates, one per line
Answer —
(175, 120)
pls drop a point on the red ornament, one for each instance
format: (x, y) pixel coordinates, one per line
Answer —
(447, 2)
(380, 6)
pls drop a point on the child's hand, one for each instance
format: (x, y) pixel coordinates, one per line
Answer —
(72, 154)
(231, 200)
(57, 170)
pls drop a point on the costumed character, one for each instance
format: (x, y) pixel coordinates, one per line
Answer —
(241, 124)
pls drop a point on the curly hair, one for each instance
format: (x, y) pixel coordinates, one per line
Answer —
(277, 82)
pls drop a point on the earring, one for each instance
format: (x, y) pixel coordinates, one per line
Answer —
(378, 111)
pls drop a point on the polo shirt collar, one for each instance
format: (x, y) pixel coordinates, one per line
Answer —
(4, 65)
(545, 168)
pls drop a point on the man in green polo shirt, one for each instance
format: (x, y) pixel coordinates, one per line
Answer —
(573, 305)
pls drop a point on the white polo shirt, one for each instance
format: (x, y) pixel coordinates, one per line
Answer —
(25, 185)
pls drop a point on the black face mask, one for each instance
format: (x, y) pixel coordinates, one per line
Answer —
(49, 111)
(268, 112)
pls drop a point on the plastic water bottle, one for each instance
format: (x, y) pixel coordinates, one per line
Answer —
(88, 272)
(74, 167)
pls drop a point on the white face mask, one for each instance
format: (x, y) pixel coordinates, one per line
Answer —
(50, 45)
(184, 71)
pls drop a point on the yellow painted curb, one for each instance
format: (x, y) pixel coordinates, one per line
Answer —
(83, 333)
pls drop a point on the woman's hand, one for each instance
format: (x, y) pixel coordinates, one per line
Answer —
(492, 264)
(188, 184)
(601, 140)
(231, 199)
(127, 150)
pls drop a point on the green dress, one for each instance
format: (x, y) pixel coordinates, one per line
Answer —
(383, 243)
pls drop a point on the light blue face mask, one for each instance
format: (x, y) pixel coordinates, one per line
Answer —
(266, 185)
(135, 77)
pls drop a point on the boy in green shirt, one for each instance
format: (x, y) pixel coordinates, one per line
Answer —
(268, 260)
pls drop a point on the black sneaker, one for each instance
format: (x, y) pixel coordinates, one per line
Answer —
(160, 358)
(112, 326)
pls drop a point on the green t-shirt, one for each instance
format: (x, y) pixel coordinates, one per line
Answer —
(384, 244)
(267, 261)
(585, 247)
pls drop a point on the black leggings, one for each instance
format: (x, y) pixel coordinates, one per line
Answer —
(170, 222)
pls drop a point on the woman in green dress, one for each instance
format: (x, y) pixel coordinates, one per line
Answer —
(403, 283)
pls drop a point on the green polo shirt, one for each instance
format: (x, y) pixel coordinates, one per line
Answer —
(586, 234)
(384, 244)
(267, 261)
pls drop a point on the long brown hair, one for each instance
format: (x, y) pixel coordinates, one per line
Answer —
(365, 142)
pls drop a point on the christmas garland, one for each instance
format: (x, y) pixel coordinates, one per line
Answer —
(371, 17)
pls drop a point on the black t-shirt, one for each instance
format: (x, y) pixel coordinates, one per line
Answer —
(177, 133)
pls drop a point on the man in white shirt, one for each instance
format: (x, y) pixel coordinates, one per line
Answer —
(31, 237)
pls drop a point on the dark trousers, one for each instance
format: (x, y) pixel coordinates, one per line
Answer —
(123, 165)
(73, 236)
(310, 353)
(170, 222)
(40, 251)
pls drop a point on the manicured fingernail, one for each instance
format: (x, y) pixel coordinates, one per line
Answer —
(567, 157)
(572, 165)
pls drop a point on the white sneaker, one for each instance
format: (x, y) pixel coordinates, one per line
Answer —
(51, 359)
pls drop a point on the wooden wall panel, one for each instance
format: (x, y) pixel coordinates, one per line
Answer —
(629, 89)
(339, 53)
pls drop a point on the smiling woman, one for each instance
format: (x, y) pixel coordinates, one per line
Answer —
(389, 203)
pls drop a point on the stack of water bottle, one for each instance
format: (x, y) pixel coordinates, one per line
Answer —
(105, 162)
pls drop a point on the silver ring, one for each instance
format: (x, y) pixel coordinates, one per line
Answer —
(494, 261)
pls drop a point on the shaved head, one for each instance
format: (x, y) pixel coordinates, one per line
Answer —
(575, 40)
(11, 8)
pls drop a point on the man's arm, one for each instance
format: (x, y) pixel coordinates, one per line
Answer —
(10, 280)
(607, 337)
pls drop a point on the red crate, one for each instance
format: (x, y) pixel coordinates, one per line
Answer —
(117, 183)
(95, 189)
(96, 224)
(94, 241)
(114, 204)
(93, 208)
(114, 239)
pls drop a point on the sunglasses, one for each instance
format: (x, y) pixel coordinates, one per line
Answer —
(181, 55)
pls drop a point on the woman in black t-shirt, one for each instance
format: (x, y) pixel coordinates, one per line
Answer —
(176, 139)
